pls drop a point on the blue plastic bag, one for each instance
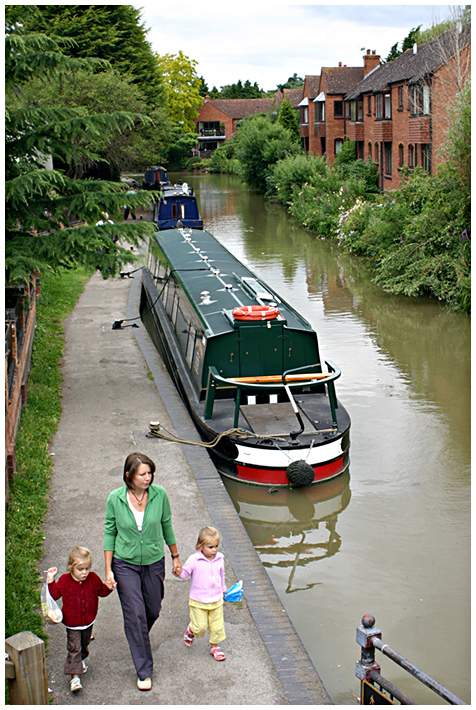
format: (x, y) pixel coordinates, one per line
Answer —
(235, 592)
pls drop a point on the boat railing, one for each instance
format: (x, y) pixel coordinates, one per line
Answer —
(297, 377)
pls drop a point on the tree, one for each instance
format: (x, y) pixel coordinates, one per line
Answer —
(293, 82)
(182, 87)
(110, 32)
(407, 43)
(260, 143)
(105, 92)
(40, 202)
(288, 118)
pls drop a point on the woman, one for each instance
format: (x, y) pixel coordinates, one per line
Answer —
(138, 520)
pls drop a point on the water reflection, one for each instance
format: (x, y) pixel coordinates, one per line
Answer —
(293, 529)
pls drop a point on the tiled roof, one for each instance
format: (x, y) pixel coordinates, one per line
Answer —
(311, 85)
(294, 95)
(239, 108)
(410, 67)
(340, 80)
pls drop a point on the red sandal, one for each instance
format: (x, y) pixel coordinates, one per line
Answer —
(217, 653)
(188, 636)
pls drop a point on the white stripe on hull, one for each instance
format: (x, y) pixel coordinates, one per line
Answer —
(277, 458)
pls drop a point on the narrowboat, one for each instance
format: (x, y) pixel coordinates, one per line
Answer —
(177, 203)
(154, 178)
(246, 364)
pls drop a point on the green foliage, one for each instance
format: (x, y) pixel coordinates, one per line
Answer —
(109, 32)
(408, 42)
(288, 118)
(293, 82)
(182, 86)
(28, 502)
(180, 147)
(416, 239)
(260, 143)
(240, 90)
(347, 154)
(294, 171)
(40, 203)
(223, 159)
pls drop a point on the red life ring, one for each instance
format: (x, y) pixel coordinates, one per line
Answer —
(255, 313)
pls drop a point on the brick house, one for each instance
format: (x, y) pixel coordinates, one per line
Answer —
(397, 114)
(217, 119)
(327, 119)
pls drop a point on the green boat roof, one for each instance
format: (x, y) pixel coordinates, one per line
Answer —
(216, 282)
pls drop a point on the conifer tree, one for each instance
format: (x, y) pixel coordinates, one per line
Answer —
(41, 203)
(288, 118)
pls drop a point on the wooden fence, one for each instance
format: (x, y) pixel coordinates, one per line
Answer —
(20, 320)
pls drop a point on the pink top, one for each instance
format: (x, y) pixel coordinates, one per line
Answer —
(207, 577)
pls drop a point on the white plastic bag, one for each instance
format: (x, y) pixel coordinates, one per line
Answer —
(51, 611)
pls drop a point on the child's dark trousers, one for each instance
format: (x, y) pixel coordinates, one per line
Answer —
(78, 649)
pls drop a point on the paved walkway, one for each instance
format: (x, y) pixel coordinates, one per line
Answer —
(114, 384)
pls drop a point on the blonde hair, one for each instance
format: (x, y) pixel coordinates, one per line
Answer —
(78, 555)
(205, 535)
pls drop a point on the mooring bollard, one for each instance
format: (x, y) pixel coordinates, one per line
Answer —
(29, 685)
(365, 632)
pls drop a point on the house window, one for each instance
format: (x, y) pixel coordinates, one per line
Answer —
(379, 106)
(353, 111)
(383, 106)
(360, 150)
(377, 153)
(416, 97)
(388, 158)
(305, 114)
(400, 98)
(338, 109)
(338, 143)
(411, 156)
(360, 110)
(426, 100)
(401, 155)
(425, 157)
(369, 105)
(370, 150)
(320, 111)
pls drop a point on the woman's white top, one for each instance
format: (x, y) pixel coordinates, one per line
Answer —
(138, 514)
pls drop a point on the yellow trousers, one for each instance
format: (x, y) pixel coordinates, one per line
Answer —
(207, 616)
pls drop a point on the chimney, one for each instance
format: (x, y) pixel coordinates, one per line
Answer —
(340, 64)
(371, 61)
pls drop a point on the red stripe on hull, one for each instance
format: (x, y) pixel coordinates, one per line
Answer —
(277, 477)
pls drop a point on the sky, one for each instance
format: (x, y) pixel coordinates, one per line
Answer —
(269, 43)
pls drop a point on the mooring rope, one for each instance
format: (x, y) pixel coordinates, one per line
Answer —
(155, 431)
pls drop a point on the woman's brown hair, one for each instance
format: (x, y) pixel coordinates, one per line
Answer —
(132, 463)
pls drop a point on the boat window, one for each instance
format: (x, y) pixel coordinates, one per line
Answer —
(174, 211)
(165, 293)
(175, 309)
(182, 211)
(192, 334)
(197, 356)
(157, 269)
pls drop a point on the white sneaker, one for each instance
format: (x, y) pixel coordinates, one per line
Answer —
(75, 685)
(85, 668)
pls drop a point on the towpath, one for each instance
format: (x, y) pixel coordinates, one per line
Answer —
(114, 384)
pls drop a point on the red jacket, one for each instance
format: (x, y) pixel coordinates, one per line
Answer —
(80, 599)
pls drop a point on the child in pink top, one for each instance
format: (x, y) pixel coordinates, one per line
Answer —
(206, 569)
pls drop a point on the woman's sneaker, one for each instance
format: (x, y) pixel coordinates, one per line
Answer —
(75, 685)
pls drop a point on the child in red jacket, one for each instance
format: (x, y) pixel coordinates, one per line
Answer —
(80, 589)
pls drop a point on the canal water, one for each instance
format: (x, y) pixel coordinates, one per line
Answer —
(392, 538)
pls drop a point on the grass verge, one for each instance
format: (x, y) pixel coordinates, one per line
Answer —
(28, 499)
